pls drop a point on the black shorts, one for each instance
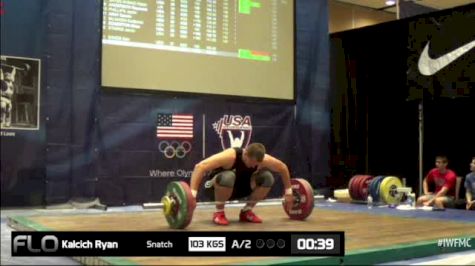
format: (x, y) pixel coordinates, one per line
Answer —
(241, 189)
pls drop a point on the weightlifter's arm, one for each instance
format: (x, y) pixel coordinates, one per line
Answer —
(218, 160)
(278, 166)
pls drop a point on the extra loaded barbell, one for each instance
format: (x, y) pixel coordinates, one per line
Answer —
(178, 203)
(386, 189)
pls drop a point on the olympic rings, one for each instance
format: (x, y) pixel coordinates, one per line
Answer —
(174, 148)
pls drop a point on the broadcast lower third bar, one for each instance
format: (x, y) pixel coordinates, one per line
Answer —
(171, 244)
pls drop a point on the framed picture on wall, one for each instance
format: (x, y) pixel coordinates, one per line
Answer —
(20, 92)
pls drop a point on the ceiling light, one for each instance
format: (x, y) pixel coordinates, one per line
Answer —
(390, 2)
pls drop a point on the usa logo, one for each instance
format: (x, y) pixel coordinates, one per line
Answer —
(234, 131)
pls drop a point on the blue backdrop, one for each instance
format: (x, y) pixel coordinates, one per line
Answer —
(102, 143)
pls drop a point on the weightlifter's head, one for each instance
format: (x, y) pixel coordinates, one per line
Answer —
(254, 154)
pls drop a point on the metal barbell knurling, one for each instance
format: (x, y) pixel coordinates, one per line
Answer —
(168, 200)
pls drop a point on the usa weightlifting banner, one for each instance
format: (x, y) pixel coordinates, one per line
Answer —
(178, 243)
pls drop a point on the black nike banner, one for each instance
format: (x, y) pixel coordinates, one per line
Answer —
(441, 58)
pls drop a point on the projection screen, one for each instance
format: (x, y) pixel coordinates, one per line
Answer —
(225, 47)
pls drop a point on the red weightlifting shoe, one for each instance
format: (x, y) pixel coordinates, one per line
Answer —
(219, 218)
(249, 216)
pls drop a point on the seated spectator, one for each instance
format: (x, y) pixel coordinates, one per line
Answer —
(444, 180)
(470, 187)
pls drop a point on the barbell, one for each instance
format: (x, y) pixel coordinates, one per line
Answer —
(381, 188)
(25, 67)
(178, 203)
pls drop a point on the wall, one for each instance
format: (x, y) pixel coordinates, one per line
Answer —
(345, 16)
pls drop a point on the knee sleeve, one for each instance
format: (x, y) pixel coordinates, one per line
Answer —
(264, 179)
(226, 178)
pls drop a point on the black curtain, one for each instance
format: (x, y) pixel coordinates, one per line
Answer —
(377, 87)
(374, 127)
(448, 130)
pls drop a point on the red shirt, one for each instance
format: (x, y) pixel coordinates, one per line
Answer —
(446, 179)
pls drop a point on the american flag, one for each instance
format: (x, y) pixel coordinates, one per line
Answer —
(174, 126)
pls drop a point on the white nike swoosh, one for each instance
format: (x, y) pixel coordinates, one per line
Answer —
(428, 66)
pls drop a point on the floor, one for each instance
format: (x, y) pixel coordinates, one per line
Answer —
(460, 258)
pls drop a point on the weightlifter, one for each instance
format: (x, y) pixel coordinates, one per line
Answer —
(237, 173)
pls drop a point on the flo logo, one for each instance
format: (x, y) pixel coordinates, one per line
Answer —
(234, 131)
